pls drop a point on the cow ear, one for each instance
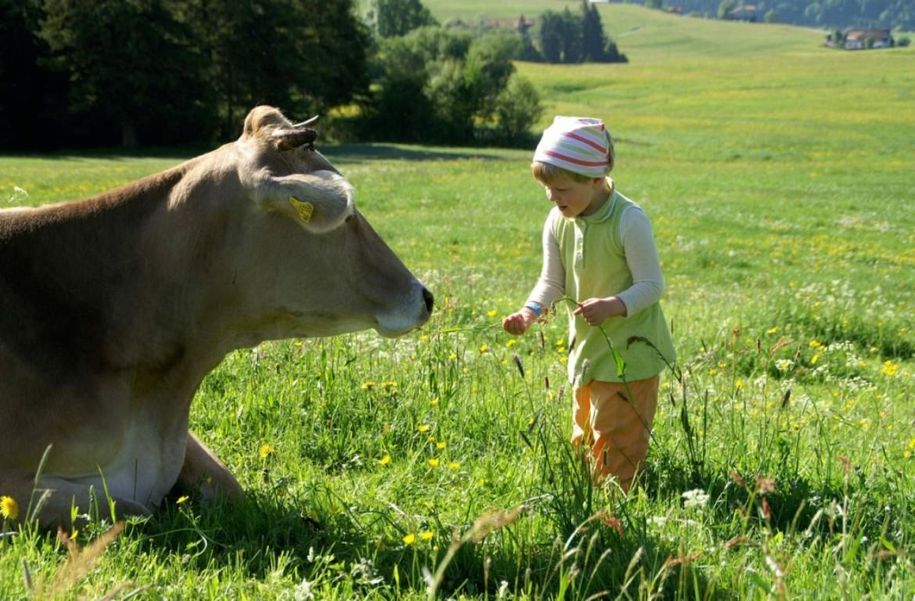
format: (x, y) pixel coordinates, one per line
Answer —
(289, 138)
(318, 201)
(300, 134)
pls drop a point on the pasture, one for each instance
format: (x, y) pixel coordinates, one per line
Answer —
(780, 181)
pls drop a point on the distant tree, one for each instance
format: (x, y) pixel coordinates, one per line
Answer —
(612, 54)
(399, 17)
(771, 16)
(489, 66)
(593, 40)
(438, 85)
(517, 108)
(303, 55)
(550, 36)
(133, 67)
(528, 51)
(571, 37)
(725, 7)
(32, 99)
(654, 4)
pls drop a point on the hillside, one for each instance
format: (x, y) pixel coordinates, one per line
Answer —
(650, 36)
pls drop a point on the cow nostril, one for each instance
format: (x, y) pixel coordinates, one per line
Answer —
(428, 298)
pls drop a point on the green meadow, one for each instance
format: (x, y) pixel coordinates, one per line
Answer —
(780, 180)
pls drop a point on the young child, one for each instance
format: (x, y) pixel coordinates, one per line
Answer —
(598, 250)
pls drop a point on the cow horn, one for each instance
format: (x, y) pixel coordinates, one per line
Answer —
(306, 123)
(287, 139)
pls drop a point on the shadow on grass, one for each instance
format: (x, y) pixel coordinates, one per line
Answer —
(391, 152)
(790, 505)
(114, 154)
(344, 544)
(353, 153)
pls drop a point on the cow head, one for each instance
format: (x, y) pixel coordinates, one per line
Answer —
(313, 265)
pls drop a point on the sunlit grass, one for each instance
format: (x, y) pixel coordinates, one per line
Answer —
(779, 184)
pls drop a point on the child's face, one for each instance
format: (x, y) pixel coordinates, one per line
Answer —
(574, 198)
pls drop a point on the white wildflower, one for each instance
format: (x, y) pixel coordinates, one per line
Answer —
(303, 591)
(695, 499)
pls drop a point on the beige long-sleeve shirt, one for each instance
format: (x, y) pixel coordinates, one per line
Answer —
(641, 257)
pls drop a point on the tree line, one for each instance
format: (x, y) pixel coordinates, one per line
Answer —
(567, 37)
(832, 14)
(109, 73)
(162, 72)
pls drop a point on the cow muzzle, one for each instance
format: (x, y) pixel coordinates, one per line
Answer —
(412, 312)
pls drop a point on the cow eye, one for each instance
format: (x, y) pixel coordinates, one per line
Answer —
(349, 218)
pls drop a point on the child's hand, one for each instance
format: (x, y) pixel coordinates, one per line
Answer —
(597, 310)
(518, 323)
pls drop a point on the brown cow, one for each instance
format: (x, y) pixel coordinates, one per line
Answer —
(114, 308)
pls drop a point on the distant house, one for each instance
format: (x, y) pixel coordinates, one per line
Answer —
(861, 39)
(745, 12)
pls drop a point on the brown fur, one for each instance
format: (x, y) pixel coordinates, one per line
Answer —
(113, 309)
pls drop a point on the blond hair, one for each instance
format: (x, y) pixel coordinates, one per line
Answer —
(545, 173)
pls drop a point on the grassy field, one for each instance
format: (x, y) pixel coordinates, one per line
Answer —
(779, 179)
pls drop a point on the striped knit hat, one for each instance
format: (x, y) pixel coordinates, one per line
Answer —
(577, 144)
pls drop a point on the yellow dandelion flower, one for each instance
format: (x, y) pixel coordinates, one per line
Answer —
(815, 344)
(910, 448)
(815, 359)
(425, 535)
(182, 500)
(492, 313)
(423, 428)
(454, 465)
(423, 337)
(738, 384)
(433, 463)
(890, 368)
(9, 508)
(452, 357)
(484, 348)
(772, 330)
(433, 401)
(511, 342)
(367, 385)
(265, 451)
(409, 539)
(384, 460)
(441, 445)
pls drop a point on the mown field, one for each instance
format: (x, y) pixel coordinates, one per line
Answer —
(780, 180)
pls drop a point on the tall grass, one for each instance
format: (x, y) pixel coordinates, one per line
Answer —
(781, 459)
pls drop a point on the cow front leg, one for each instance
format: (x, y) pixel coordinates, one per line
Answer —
(56, 501)
(202, 471)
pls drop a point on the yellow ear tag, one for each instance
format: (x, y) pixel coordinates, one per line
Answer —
(304, 208)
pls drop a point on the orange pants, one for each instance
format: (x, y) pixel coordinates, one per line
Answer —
(616, 428)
